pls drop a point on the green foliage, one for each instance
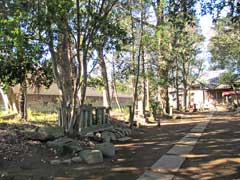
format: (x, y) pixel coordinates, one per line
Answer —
(97, 83)
(224, 46)
(36, 118)
(230, 79)
(21, 53)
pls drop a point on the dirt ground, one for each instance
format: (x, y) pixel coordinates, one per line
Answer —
(216, 156)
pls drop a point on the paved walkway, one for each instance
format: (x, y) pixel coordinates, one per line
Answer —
(172, 161)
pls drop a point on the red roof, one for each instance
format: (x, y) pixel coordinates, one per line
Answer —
(228, 93)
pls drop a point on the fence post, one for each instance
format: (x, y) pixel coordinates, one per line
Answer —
(60, 123)
(98, 116)
(90, 115)
(107, 115)
(103, 115)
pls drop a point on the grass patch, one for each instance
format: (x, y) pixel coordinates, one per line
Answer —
(37, 118)
(40, 118)
(3, 113)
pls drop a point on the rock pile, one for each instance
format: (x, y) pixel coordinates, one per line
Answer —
(95, 146)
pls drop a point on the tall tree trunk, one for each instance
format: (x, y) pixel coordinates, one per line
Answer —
(147, 95)
(138, 66)
(131, 118)
(114, 87)
(143, 84)
(67, 85)
(185, 94)
(104, 75)
(23, 101)
(163, 69)
(116, 96)
(177, 88)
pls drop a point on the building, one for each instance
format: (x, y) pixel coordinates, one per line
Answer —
(47, 99)
(206, 92)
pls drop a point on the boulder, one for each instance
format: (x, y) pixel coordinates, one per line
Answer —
(37, 136)
(112, 136)
(92, 156)
(54, 132)
(124, 139)
(72, 147)
(121, 130)
(77, 159)
(65, 145)
(119, 134)
(55, 162)
(107, 149)
(127, 131)
(59, 142)
(67, 161)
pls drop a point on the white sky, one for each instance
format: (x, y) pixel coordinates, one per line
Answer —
(205, 23)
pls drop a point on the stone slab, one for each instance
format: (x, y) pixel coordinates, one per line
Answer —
(168, 163)
(197, 130)
(201, 125)
(149, 175)
(193, 135)
(188, 141)
(179, 149)
(124, 139)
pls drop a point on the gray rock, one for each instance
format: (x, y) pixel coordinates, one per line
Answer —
(3, 174)
(118, 134)
(91, 156)
(121, 131)
(112, 136)
(128, 131)
(67, 161)
(55, 132)
(123, 139)
(65, 145)
(55, 162)
(72, 147)
(37, 136)
(107, 149)
(90, 135)
(59, 142)
(77, 159)
(91, 144)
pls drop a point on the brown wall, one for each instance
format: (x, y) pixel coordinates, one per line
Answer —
(50, 102)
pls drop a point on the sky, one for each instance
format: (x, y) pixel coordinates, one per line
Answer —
(205, 23)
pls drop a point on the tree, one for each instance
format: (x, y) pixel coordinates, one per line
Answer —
(21, 54)
(109, 38)
(224, 45)
(71, 29)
